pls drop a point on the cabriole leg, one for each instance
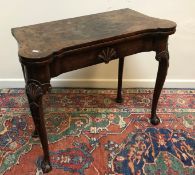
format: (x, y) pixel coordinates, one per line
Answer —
(35, 132)
(34, 93)
(163, 58)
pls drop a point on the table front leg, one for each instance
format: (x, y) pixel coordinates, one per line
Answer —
(35, 132)
(34, 93)
(163, 58)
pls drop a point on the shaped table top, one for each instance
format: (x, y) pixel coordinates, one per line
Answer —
(42, 40)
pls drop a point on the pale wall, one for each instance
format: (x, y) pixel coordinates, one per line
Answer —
(140, 70)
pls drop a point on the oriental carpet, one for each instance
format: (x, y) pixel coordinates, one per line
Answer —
(90, 134)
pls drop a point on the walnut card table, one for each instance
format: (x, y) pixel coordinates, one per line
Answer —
(49, 49)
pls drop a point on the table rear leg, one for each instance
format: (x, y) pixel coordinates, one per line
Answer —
(163, 58)
(119, 98)
(34, 92)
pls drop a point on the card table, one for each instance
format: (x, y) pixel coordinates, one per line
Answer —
(49, 49)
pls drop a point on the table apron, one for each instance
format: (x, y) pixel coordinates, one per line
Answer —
(66, 62)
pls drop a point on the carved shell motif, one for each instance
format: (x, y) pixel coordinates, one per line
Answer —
(107, 54)
(34, 91)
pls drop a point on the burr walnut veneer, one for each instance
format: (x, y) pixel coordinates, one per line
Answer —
(49, 49)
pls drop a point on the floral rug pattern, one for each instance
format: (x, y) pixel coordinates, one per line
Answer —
(89, 133)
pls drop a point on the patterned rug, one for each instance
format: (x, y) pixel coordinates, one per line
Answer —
(90, 134)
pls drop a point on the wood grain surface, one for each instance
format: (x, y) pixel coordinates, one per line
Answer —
(42, 40)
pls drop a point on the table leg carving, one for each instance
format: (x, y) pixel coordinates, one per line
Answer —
(119, 98)
(34, 93)
(163, 58)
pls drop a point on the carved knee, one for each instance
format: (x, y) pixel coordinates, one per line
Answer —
(163, 56)
(34, 92)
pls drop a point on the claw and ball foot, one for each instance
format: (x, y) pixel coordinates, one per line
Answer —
(46, 166)
(35, 134)
(119, 99)
(154, 119)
